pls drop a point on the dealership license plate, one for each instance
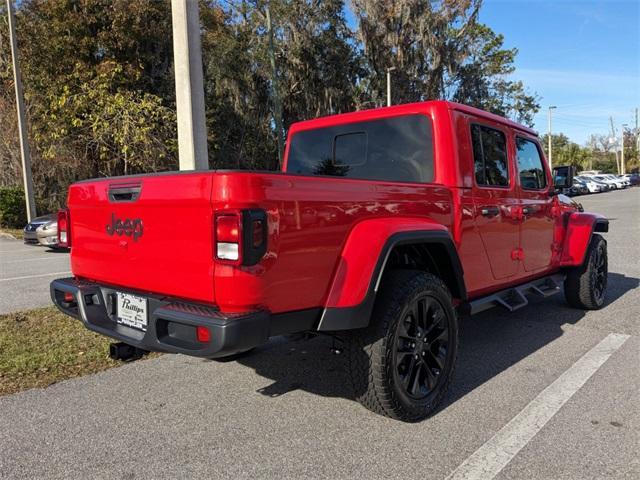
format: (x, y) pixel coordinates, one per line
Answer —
(132, 311)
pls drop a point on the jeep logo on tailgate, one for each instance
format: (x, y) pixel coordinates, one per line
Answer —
(129, 227)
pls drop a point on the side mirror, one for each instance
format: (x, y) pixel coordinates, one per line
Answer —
(563, 177)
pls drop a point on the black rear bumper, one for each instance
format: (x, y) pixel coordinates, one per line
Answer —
(171, 325)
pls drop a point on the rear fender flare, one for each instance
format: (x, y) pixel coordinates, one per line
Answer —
(361, 265)
(579, 230)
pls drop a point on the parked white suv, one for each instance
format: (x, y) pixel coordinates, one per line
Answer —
(592, 186)
(603, 186)
(624, 179)
(619, 181)
(610, 180)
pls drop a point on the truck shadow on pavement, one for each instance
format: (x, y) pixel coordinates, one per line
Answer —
(490, 343)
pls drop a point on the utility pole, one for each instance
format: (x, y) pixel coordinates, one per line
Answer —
(551, 107)
(22, 122)
(389, 70)
(187, 60)
(623, 169)
(614, 141)
(275, 92)
(637, 132)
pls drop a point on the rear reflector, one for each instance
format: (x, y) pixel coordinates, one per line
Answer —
(68, 297)
(203, 334)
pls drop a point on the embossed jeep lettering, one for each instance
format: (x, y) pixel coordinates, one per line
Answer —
(129, 227)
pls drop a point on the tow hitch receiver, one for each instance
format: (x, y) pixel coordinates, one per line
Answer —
(126, 352)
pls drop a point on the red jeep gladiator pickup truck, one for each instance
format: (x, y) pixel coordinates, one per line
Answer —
(383, 226)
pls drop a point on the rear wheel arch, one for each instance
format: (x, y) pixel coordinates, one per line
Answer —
(433, 255)
(431, 251)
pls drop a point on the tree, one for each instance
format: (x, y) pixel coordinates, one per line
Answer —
(98, 89)
(319, 64)
(558, 142)
(317, 68)
(240, 133)
(10, 166)
(602, 153)
(481, 79)
(566, 152)
(632, 161)
(440, 51)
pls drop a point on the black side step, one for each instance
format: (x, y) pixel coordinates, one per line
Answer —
(516, 297)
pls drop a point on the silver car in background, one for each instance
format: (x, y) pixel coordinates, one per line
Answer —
(42, 231)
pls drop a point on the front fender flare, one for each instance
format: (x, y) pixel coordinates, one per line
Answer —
(579, 229)
(357, 277)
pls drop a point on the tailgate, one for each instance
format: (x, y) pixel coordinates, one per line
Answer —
(150, 233)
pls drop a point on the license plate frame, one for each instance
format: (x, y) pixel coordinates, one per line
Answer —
(132, 311)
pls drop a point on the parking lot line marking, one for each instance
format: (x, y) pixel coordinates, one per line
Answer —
(486, 462)
(25, 252)
(32, 260)
(33, 276)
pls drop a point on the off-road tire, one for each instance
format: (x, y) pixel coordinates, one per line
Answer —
(585, 286)
(372, 351)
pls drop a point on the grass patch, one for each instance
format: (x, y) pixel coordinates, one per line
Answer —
(16, 232)
(43, 346)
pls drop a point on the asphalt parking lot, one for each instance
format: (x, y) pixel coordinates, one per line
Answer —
(548, 392)
(25, 273)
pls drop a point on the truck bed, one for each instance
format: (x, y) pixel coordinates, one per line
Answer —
(309, 218)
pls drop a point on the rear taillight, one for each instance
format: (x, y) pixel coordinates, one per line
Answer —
(240, 237)
(228, 228)
(64, 232)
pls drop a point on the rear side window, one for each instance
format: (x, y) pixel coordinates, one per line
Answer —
(530, 167)
(490, 156)
(390, 149)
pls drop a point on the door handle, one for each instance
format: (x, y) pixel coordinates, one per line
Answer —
(490, 211)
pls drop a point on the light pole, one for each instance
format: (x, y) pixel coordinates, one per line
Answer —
(551, 107)
(22, 121)
(622, 167)
(389, 70)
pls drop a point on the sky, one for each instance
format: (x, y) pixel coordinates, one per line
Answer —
(581, 56)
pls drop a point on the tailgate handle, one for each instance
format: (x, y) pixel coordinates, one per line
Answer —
(124, 193)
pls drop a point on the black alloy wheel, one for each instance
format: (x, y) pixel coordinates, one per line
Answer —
(599, 272)
(422, 340)
(401, 365)
(586, 285)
